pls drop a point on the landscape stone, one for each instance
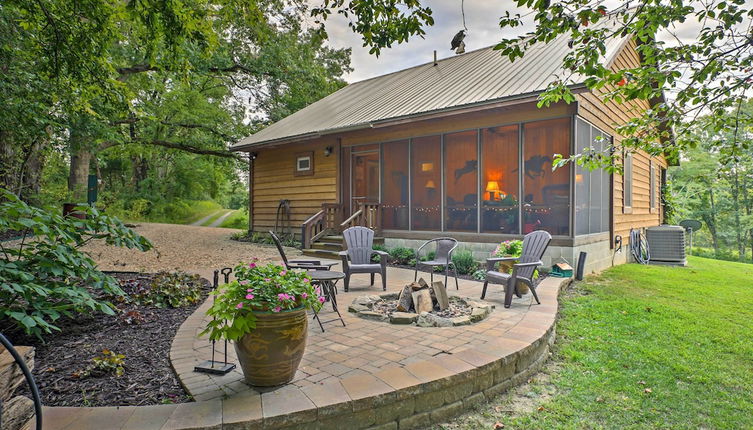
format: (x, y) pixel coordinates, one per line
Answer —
(356, 308)
(462, 320)
(477, 314)
(371, 315)
(403, 318)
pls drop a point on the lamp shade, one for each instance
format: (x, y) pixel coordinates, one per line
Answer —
(492, 186)
(430, 184)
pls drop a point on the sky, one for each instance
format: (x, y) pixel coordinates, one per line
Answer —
(481, 18)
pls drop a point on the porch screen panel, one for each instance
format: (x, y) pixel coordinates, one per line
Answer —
(546, 193)
(582, 180)
(499, 180)
(461, 181)
(395, 185)
(599, 187)
(426, 182)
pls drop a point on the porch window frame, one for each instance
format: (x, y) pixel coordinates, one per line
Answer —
(480, 162)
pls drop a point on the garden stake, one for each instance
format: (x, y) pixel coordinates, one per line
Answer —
(209, 365)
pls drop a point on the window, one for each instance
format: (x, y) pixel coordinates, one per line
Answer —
(627, 185)
(652, 184)
(395, 185)
(426, 187)
(304, 164)
(461, 181)
(546, 193)
(499, 180)
(592, 187)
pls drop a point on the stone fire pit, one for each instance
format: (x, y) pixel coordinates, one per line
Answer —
(383, 307)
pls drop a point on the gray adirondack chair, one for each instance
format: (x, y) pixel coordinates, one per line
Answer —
(357, 258)
(442, 257)
(534, 246)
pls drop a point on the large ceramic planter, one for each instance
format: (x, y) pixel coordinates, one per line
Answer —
(270, 355)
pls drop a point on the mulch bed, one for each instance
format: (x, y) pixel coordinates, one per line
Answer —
(148, 379)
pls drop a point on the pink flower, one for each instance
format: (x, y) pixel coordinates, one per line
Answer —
(267, 279)
(251, 265)
(249, 296)
(283, 296)
(304, 295)
(243, 282)
(305, 280)
(239, 305)
(321, 299)
(283, 273)
(318, 290)
(277, 309)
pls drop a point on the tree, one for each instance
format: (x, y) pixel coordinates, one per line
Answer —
(712, 183)
(71, 70)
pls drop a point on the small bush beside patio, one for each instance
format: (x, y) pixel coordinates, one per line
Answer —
(644, 347)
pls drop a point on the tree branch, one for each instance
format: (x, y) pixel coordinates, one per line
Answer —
(124, 72)
(182, 147)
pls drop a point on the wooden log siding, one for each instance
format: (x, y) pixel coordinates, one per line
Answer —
(608, 116)
(273, 180)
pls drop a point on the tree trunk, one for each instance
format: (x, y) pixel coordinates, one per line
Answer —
(711, 221)
(8, 163)
(79, 173)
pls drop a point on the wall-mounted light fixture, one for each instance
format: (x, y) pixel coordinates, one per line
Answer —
(253, 155)
(328, 151)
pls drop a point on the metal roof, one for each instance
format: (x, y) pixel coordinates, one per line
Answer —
(476, 77)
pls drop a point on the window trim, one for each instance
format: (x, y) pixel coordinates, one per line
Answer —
(296, 166)
(627, 183)
(652, 186)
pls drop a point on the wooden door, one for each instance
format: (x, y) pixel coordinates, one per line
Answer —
(364, 178)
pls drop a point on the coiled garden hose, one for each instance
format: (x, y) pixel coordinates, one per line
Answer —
(639, 247)
(29, 380)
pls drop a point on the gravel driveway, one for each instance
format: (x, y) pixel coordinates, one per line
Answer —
(184, 247)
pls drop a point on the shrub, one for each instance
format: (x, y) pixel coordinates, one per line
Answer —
(479, 275)
(376, 258)
(509, 248)
(404, 256)
(265, 238)
(171, 289)
(463, 260)
(46, 276)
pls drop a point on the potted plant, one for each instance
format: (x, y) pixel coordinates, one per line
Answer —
(511, 248)
(263, 312)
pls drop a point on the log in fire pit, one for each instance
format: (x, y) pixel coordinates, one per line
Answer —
(421, 304)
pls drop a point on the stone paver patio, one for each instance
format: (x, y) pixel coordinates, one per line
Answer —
(369, 374)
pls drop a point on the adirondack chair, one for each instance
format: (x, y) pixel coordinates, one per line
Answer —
(534, 246)
(442, 257)
(298, 264)
(357, 258)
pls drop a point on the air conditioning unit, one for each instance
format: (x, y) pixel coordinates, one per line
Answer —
(666, 245)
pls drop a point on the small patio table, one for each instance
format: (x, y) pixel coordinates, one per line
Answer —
(327, 280)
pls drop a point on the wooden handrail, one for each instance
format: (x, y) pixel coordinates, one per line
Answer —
(310, 228)
(367, 215)
(325, 221)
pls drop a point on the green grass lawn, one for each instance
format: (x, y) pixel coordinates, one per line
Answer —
(238, 219)
(643, 347)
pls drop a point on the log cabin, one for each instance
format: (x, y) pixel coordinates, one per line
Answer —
(458, 147)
